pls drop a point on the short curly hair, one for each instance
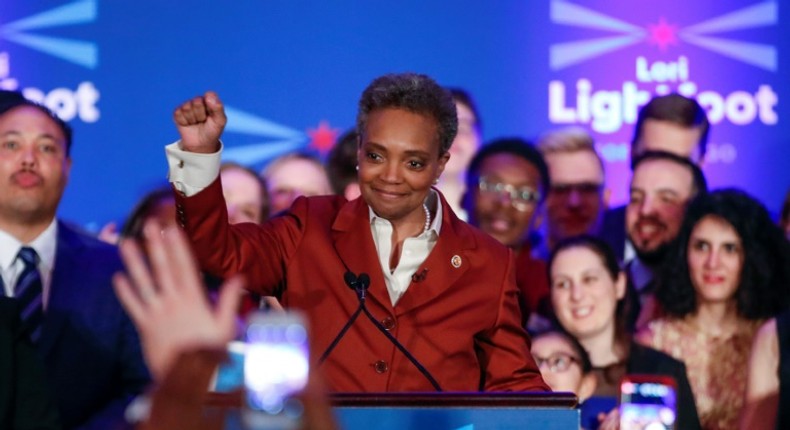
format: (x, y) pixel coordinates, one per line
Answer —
(764, 289)
(414, 93)
(516, 147)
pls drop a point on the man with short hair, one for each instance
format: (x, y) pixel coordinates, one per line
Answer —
(577, 196)
(661, 187)
(674, 124)
(61, 277)
(671, 123)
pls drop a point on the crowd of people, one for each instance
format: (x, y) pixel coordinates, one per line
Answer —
(466, 247)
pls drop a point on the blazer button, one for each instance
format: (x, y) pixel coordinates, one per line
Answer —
(388, 323)
(380, 366)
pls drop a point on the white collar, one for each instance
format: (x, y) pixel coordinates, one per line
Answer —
(44, 245)
(436, 222)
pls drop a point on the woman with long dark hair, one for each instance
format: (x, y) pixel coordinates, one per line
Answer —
(729, 273)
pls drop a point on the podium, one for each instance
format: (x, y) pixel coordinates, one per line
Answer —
(442, 411)
(456, 411)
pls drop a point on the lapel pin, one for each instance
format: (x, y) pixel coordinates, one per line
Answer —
(456, 261)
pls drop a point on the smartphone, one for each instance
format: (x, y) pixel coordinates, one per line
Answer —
(648, 402)
(276, 368)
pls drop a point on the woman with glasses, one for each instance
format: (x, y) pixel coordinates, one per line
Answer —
(563, 363)
(587, 292)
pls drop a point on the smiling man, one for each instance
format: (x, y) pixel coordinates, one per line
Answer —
(507, 182)
(442, 288)
(662, 185)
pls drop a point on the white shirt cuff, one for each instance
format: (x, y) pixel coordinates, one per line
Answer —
(191, 172)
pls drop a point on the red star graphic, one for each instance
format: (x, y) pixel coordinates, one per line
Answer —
(323, 137)
(662, 34)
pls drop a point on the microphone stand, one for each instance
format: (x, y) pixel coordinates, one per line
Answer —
(360, 285)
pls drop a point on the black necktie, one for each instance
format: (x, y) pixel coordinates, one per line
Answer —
(29, 293)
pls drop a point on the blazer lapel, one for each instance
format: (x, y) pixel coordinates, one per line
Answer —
(67, 258)
(353, 242)
(446, 263)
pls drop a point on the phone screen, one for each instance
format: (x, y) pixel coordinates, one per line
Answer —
(647, 403)
(276, 364)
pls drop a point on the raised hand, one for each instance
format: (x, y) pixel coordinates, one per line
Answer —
(168, 302)
(200, 122)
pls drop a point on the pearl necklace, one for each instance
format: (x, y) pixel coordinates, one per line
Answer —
(427, 218)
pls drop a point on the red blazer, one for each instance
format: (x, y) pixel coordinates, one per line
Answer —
(533, 283)
(462, 323)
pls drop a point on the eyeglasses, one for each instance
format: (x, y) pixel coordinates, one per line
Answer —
(522, 198)
(557, 363)
(584, 189)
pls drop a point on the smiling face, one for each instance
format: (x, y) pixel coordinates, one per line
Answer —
(34, 167)
(660, 190)
(583, 293)
(398, 161)
(493, 212)
(715, 259)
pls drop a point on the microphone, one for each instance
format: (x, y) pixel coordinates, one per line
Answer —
(360, 284)
(363, 282)
(355, 283)
(351, 280)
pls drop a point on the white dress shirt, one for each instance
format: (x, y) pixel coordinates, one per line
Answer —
(11, 267)
(413, 252)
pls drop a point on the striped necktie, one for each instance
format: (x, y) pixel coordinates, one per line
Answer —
(28, 293)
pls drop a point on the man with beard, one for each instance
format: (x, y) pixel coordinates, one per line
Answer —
(662, 185)
(577, 196)
(671, 123)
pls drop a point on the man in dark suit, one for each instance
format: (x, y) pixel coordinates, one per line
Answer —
(25, 399)
(61, 277)
(661, 187)
(444, 289)
(670, 123)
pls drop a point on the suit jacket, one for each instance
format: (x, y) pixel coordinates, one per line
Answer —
(461, 321)
(89, 346)
(26, 401)
(612, 230)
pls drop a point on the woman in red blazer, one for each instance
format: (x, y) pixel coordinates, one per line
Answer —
(443, 289)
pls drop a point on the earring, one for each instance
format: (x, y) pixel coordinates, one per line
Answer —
(357, 167)
(436, 181)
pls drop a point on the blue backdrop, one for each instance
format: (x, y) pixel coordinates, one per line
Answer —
(291, 72)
